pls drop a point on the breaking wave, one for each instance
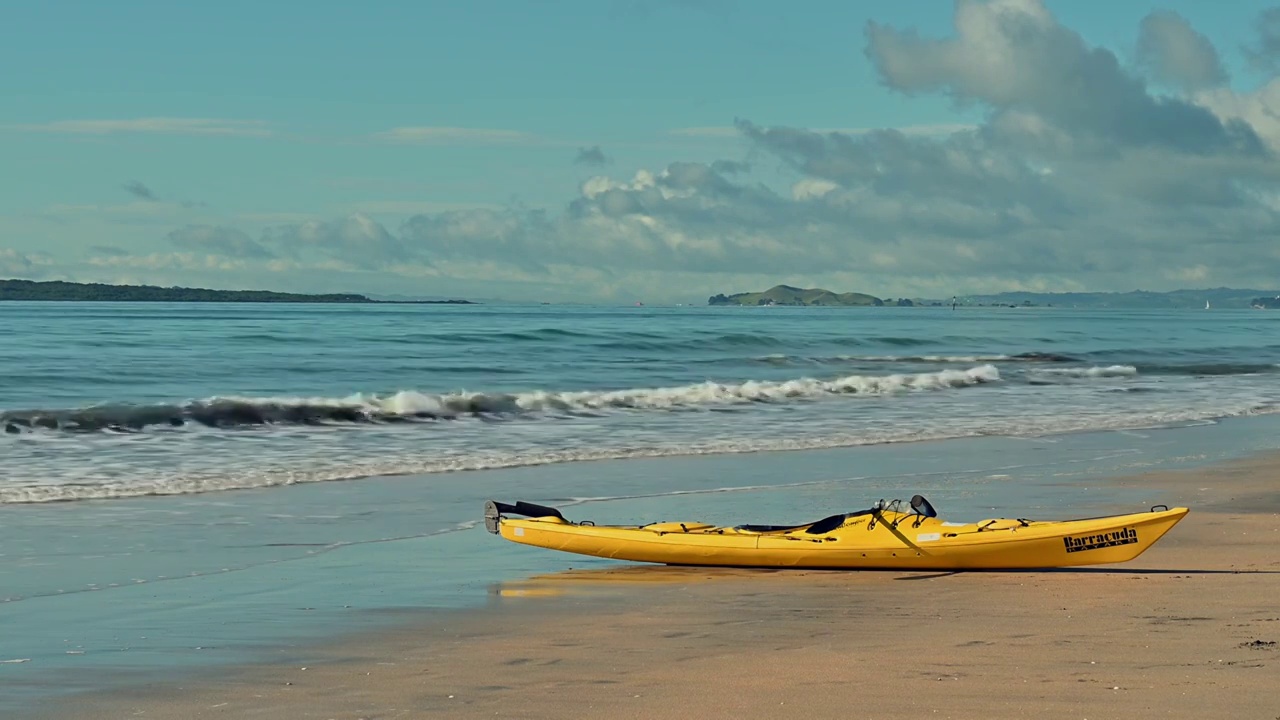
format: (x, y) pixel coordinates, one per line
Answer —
(413, 406)
(1110, 371)
(1027, 357)
(632, 341)
(263, 475)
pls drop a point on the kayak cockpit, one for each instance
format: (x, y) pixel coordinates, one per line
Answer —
(921, 508)
(820, 527)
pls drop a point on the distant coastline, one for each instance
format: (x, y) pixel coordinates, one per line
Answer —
(1206, 299)
(60, 291)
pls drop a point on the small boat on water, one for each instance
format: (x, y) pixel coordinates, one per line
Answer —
(885, 536)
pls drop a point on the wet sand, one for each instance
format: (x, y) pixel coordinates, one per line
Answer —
(1190, 629)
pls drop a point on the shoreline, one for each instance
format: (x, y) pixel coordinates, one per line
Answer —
(628, 639)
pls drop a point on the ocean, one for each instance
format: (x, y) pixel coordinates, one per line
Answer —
(191, 485)
(120, 400)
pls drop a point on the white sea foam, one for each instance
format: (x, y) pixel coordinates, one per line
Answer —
(1083, 373)
(928, 358)
(406, 459)
(409, 402)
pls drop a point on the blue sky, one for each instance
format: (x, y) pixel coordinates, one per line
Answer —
(434, 148)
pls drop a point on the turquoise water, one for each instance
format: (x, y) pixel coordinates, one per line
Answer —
(103, 400)
(236, 481)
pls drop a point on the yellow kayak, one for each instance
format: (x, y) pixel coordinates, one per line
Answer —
(886, 536)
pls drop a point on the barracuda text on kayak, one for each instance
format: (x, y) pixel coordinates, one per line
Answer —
(1126, 536)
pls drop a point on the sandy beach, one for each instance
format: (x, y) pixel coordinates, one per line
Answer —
(1190, 629)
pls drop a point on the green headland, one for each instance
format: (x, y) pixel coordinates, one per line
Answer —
(57, 290)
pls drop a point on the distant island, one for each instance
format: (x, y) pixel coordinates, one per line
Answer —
(787, 295)
(57, 290)
(1215, 298)
(1208, 299)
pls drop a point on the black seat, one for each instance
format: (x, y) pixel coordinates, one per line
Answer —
(922, 506)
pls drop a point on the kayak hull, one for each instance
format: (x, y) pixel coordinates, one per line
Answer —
(871, 539)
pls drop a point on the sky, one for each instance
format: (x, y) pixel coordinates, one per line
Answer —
(642, 150)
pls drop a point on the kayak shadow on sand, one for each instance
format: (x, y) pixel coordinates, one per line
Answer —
(1090, 571)
(589, 580)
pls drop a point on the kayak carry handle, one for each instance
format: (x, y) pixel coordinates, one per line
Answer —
(1153, 507)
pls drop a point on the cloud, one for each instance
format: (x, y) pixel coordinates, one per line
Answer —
(733, 131)
(217, 240)
(1080, 173)
(357, 240)
(138, 190)
(1015, 58)
(13, 262)
(509, 236)
(1178, 55)
(180, 261)
(154, 125)
(16, 264)
(142, 192)
(730, 167)
(591, 156)
(1265, 54)
(1079, 176)
(1260, 109)
(408, 207)
(428, 135)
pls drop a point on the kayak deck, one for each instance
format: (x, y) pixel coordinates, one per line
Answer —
(882, 537)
